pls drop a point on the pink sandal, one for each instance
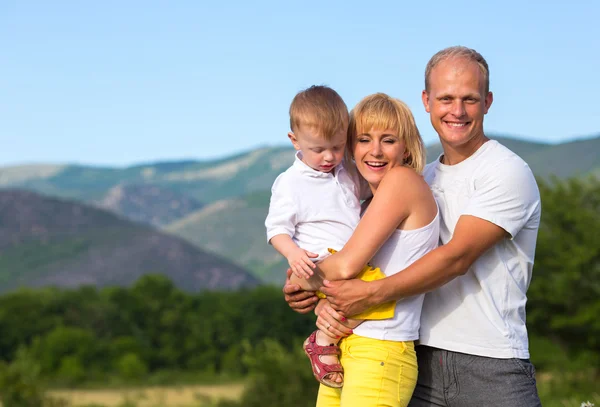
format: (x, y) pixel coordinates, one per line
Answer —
(320, 369)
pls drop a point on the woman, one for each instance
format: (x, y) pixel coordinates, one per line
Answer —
(378, 358)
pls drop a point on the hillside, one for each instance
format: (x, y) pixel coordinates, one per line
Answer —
(48, 241)
(149, 204)
(575, 158)
(204, 181)
(235, 229)
(207, 202)
(229, 177)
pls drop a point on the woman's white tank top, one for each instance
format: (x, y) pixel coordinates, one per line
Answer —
(400, 251)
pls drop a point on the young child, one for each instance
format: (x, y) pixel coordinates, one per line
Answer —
(315, 207)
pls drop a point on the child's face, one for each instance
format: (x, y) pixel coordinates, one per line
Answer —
(317, 152)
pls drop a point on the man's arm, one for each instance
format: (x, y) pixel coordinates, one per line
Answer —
(472, 237)
(505, 199)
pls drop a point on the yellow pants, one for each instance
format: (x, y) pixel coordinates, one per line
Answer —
(381, 311)
(376, 374)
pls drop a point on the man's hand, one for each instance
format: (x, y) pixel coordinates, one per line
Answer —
(349, 297)
(300, 263)
(299, 300)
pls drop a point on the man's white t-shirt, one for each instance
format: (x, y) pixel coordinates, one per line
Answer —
(318, 210)
(483, 312)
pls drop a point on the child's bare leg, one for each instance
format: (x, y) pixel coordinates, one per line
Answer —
(330, 335)
(308, 284)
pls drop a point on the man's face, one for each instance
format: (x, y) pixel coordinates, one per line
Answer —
(317, 152)
(457, 101)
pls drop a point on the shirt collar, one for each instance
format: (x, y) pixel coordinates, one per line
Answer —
(306, 170)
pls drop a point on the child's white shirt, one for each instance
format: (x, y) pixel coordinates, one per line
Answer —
(317, 210)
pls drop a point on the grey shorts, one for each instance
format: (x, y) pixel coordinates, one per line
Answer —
(453, 379)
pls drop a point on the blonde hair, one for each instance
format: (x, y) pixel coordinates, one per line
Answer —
(459, 52)
(320, 108)
(380, 111)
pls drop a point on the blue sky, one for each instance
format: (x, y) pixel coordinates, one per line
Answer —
(121, 82)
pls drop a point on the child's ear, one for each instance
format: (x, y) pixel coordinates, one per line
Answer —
(293, 139)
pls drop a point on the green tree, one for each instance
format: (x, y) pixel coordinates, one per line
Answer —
(160, 310)
(20, 381)
(25, 314)
(62, 342)
(131, 367)
(564, 297)
(279, 377)
(71, 371)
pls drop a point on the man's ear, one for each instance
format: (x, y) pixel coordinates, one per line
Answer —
(488, 102)
(293, 139)
(425, 99)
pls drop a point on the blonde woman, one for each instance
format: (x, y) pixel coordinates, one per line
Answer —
(378, 357)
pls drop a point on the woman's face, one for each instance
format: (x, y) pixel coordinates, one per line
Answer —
(376, 152)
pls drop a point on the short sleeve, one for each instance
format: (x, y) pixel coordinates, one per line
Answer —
(282, 216)
(506, 195)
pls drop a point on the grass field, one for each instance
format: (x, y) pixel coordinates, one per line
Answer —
(207, 394)
(181, 396)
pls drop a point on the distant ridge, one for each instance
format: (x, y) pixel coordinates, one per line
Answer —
(235, 228)
(47, 241)
(575, 158)
(219, 205)
(207, 181)
(148, 203)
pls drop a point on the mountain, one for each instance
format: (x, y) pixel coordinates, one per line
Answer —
(574, 158)
(204, 181)
(220, 205)
(235, 229)
(149, 204)
(229, 177)
(48, 241)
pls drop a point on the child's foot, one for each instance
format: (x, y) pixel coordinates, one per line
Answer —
(323, 357)
(324, 340)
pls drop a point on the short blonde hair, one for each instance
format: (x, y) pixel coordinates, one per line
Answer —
(459, 52)
(320, 108)
(383, 112)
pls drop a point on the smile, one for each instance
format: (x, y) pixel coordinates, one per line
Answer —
(375, 164)
(454, 124)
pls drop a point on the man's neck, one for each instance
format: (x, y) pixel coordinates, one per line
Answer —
(455, 155)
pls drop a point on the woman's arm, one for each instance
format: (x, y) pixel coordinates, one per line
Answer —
(472, 237)
(400, 192)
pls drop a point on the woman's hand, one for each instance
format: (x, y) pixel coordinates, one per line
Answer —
(299, 300)
(349, 297)
(332, 322)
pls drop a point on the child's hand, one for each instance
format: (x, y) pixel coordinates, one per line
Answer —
(301, 264)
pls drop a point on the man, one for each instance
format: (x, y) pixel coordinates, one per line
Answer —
(473, 340)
